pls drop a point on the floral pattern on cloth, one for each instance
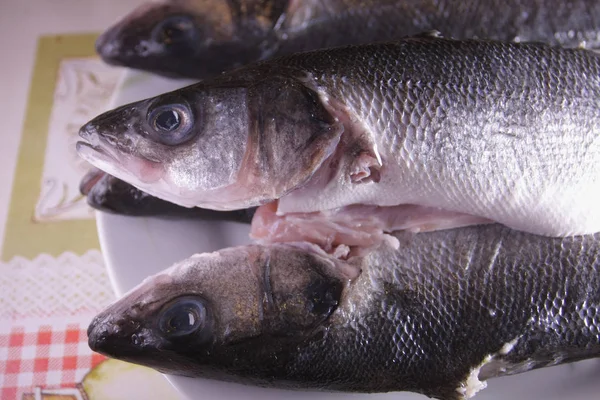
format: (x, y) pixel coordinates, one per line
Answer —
(84, 88)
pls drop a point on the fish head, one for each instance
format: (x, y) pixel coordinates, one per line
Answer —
(235, 143)
(214, 314)
(190, 38)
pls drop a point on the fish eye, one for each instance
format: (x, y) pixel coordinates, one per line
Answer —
(167, 120)
(172, 123)
(183, 317)
(175, 30)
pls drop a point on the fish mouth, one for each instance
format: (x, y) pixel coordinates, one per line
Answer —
(90, 180)
(107, 47)
(113, 338)
(137, 170)
(94, 153)
(93, 149)
(102, 158)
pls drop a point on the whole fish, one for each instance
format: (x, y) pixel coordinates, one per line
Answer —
(463, 132)
(201, 38)
(158, 36)
(441, 315)
(109, 194)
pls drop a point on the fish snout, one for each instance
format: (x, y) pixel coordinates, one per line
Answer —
(98, 333)
(111, 126)
(107, 335)
(97, 338)
(89, 133)
(91, 146)
(108, 47)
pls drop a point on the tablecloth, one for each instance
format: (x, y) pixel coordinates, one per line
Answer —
(52, 276)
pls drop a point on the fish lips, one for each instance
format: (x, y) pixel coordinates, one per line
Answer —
(99, 154)
(92, 139)
(96, 155)
(111, 337)
(111, 44)
(107, 148)
(126, 338)
(108, 48)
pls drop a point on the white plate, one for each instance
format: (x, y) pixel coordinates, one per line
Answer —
(136, 247)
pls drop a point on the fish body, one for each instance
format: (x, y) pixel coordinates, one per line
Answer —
(500, 131)
(201, 38)
(441, 315)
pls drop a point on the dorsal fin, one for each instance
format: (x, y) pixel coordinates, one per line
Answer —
(429, 34)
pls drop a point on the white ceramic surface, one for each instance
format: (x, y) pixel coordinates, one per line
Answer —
(137, 247)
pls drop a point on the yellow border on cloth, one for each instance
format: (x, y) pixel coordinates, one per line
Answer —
(23, 236)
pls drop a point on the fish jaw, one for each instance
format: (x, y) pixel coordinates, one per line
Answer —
(115, 154)
(152, 173)
(125, 329)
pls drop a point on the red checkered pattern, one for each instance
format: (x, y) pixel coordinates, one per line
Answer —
(43, 357)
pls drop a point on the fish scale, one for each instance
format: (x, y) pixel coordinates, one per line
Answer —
(499, 77)
(543, 21)
(224, 35)
(533, 300)
(439, 316)
(201, 38)
(502, 132)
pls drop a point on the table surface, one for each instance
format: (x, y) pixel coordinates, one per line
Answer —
(50, 289)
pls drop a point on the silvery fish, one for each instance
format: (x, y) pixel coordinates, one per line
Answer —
(201, 38)
(441, 132)
(440, 316)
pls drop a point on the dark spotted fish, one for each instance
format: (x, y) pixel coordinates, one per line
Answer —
(439, 316)
(201, 38)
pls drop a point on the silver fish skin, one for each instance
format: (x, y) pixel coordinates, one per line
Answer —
(501, 131)
(440, 316)
(201, 38)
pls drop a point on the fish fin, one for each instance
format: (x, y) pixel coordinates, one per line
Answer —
(518, 39)
(365, 168)
(429, 34)
(441, 223)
